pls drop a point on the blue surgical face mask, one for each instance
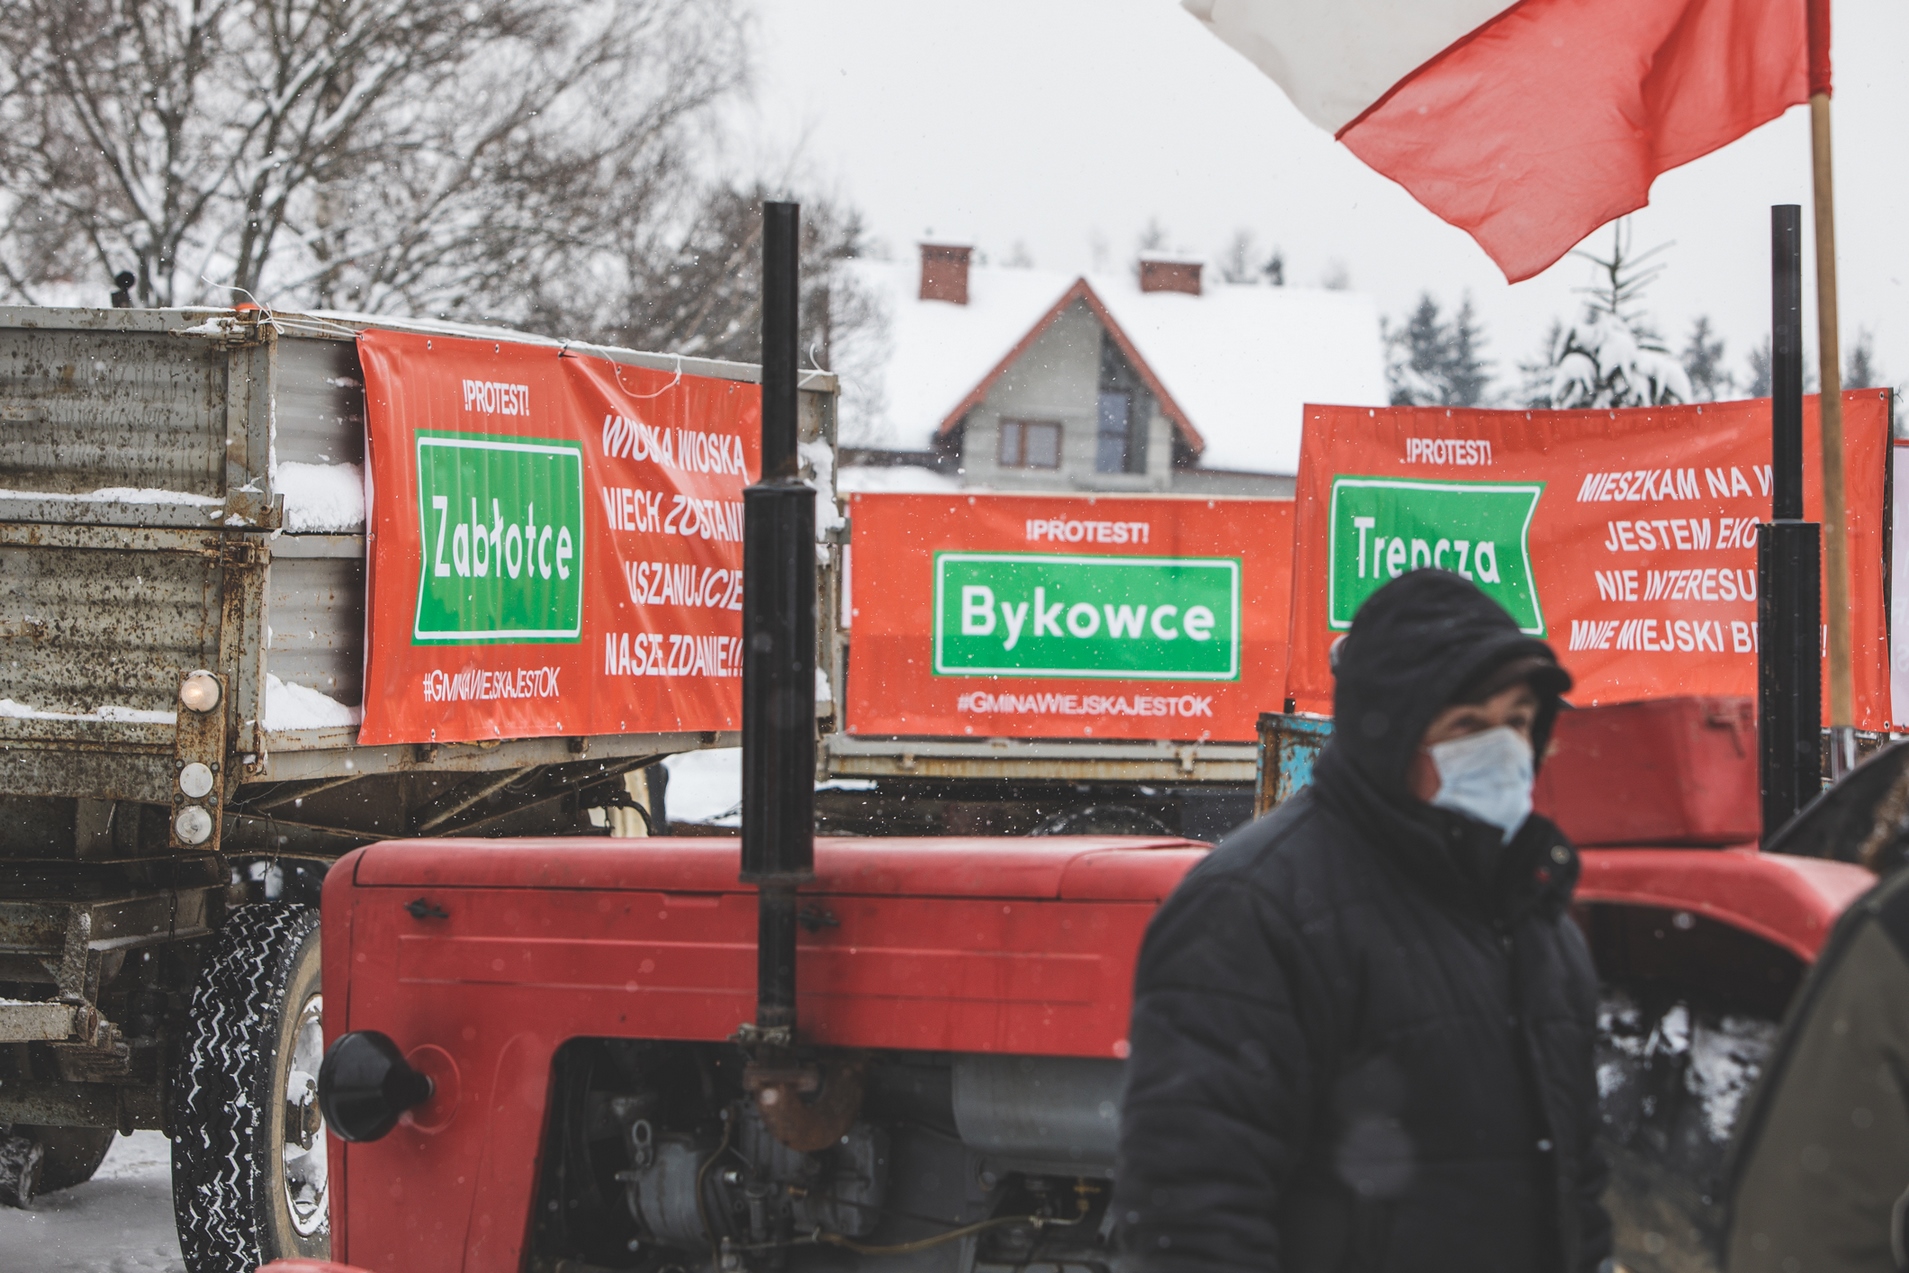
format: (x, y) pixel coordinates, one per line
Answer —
(1486, 776)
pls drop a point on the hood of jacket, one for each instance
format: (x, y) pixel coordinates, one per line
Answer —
(1413, 646)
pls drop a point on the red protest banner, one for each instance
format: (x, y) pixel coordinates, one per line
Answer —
(555, 542)
(1627, 539)
(1056, 616)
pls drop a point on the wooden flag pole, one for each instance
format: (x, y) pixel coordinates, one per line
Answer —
(1842, 697)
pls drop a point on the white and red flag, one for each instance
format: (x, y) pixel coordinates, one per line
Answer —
(1530, 124)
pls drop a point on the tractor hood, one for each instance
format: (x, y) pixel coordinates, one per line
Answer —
(1059, 868)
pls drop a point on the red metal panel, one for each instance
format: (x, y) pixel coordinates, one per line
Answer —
(1686, 769)
(953, 866)
(1790, 901)
(1128, 874)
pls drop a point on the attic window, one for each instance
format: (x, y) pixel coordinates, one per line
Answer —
(1120, 431)
(1030, 444)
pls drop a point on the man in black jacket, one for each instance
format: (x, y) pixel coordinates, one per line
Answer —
(1362, 1030)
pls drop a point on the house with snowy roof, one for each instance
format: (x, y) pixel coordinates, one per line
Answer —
(1159, 381)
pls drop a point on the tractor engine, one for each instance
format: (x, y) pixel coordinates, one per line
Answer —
(657, 1157)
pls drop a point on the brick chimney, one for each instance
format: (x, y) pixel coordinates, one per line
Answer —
(1170, 274)
(944, 272)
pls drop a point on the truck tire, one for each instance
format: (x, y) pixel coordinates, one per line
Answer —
(21, 1158)
(248, 1147)
(37, 1160)
(72, 1154)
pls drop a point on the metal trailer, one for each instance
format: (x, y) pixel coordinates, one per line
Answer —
(1017, 786)
(160, 865)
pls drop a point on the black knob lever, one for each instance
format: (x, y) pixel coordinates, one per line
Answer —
(365, 1084)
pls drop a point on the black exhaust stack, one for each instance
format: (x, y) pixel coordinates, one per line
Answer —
(806, 1098)
(1789, 560)
(778, 651)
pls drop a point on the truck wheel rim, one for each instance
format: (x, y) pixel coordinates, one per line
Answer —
(305, 1175)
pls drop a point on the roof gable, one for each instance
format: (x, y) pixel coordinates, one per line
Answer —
(1083, 291)
(1232, 368)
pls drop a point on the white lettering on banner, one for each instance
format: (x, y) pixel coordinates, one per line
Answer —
(1700, 585)
(668, 583)
(670, 654)
(1661, 636)
(1061, 530)
(478, 684)
(1616, 585)
(685, 450)
(1640, 484)
(491, 397)
(630, 509)
(1679, 534)
(1711, 583)
(1184, 705)
(1126, 622)
(695, 518)
(1457, 451)
(1670, 484)
(1592, 634)
(1665, 636)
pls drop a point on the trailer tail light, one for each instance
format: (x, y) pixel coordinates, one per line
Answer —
(195, 780)
(200, 691)
(199, 762)
(193, 825)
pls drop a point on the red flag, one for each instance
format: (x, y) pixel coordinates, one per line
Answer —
(1530, 125)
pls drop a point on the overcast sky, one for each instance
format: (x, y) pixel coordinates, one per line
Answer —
(1058, 124)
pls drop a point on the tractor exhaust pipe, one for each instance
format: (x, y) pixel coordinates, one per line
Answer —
(1789, 560)
(778, 651)
(808, 1101)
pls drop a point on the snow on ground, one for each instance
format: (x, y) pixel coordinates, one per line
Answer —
(120, 1221)
(1724, 1063)
(705, 786)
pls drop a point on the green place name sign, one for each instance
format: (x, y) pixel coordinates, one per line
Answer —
(1382, 527)
(500, 531)
(1114, 618)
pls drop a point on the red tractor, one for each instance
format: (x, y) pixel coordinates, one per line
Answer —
(667, 1055)
(537, 1056)
(540, 1058)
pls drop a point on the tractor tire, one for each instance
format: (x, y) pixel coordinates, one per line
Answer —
(1103, 819)
(72, 1154)
(248, 1147)
(1673, 1076)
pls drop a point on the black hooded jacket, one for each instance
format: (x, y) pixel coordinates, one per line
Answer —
(1362, 1030)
